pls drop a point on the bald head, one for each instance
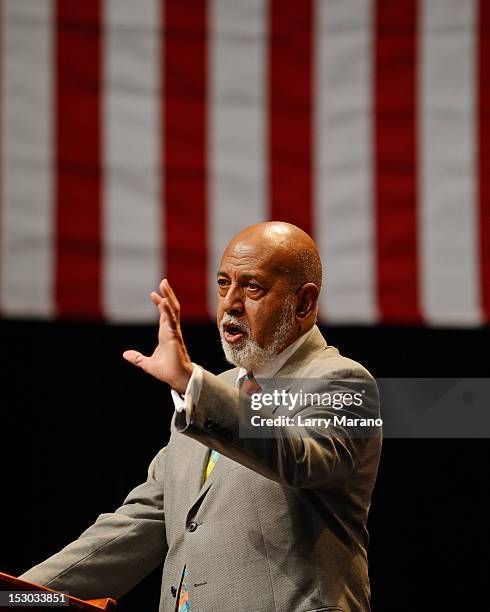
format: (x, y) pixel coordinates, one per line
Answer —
(289, 250)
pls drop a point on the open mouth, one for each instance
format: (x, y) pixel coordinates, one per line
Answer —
(233, 333)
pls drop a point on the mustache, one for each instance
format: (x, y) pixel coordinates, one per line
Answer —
(228, 319)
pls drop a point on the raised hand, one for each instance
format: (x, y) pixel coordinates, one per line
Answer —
(170, 361)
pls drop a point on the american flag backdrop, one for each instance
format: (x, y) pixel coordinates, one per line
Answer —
(137, 136)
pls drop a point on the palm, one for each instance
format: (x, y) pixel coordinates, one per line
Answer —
(170, 361)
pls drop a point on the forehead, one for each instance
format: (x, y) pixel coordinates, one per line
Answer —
(240, 257)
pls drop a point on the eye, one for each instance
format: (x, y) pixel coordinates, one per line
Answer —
(253, 286)
(223, 282)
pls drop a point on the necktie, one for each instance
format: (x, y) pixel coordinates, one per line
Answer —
(212, 459)
(247, 384)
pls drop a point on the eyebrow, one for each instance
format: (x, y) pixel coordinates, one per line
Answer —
(242, 276)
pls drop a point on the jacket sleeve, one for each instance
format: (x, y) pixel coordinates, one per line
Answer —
(310, 455)
(117, 551)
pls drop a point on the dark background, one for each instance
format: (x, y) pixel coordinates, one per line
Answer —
(80, 426)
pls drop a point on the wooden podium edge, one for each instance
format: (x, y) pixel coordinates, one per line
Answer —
(17, 584)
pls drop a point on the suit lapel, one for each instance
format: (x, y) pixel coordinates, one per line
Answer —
(300, 359)
(222, 465)
(197, 464)
(293, 367)
(230, 376)
(196, 452)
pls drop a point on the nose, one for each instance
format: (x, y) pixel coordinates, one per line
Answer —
(233, 300)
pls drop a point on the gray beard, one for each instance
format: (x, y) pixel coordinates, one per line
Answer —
(247, 353)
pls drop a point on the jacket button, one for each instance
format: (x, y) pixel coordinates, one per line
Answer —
(173, 590)
(192, 526)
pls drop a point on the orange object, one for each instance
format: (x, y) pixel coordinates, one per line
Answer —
(11, 583)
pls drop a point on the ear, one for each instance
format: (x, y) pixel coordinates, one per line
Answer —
(307, 300)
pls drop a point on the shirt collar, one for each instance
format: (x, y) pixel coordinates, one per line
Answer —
(272, 368)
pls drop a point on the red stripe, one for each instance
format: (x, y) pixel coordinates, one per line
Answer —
(396, 159)
(77, 184)
(184, 142)
(484, 152)
(290, 111)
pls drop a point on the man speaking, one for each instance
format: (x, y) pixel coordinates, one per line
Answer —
(245, 521)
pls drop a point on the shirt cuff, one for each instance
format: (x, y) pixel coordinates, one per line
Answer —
(192, 393)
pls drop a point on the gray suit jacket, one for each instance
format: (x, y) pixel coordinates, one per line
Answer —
(279, 526)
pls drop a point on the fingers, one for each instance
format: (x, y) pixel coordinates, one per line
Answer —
(167, 304)
(169, 313)
(136, 358)
(155, 298)
(168, 292)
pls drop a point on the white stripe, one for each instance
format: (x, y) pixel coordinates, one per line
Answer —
(132, 135)
(343, 160)
(26, 274)
(448, 222)
(237, 115)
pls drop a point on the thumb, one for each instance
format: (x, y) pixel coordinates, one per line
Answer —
(136, 358)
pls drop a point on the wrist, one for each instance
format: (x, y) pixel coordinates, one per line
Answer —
(180, 384)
